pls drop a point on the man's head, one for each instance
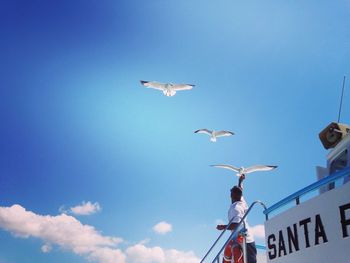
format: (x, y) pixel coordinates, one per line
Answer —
(236, 194)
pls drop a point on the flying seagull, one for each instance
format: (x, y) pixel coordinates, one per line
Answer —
(242, 170)
(214, 134)
(169, 89)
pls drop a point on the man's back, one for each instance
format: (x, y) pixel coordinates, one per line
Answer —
(236, 212)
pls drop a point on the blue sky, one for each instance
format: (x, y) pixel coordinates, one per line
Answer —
(77, 126)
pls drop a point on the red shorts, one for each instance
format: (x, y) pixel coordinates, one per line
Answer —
(234, 249)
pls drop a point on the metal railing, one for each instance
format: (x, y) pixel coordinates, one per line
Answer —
(296, 196)
(293, 197)
(237, 228)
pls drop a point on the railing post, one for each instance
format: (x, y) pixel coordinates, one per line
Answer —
(233, 232)
(245, 244)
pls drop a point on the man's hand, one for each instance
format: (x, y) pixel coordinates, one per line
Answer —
(240, 180)
(221, 227)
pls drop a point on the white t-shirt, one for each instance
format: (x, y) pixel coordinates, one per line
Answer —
(236, 212)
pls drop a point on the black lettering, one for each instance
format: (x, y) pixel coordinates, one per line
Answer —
(306, 230)
(272, 246)
(319, 231)
(281, 245)
(343, 220)
(293, 238)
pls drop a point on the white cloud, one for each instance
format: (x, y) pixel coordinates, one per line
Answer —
(85, 208)
(63, 210)
(69, 233)
(145, 241)
(258, 231)
(46, 248)
(62, 230)
(163, 228)
(107, 255)
(175, 256)
(142, 254)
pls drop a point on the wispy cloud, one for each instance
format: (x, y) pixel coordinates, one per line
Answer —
(258, 231)
(162, 228)
(219, 222)
(46, 248)
(145, 241)
(86, 208)
(142, 254)
(62, 230)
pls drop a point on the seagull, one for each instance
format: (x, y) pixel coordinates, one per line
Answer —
(169, 89)
(214, 134)
(242, 170)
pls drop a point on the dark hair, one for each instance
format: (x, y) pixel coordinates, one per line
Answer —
(236, 191)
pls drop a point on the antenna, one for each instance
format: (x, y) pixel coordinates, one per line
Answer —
(341, 99)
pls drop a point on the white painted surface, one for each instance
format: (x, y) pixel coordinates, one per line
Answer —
(337, 249)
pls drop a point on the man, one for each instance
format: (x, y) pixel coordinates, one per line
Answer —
(236, 212)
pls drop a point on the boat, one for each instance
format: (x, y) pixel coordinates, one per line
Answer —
(313, 230)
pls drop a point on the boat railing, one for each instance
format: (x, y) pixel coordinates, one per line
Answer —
(293, 197)
(235, 232)
(296, 196)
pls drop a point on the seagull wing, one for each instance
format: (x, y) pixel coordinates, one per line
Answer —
(206, 131)
(153, 85)
(256, 168)
(226, 166)
(223, 133)
(178, 87)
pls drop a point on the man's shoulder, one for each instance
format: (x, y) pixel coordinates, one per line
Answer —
(238, 205)
(236, 210)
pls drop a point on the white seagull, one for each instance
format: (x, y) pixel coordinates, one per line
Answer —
(214, 134)
(242, 170)
(169, 89)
